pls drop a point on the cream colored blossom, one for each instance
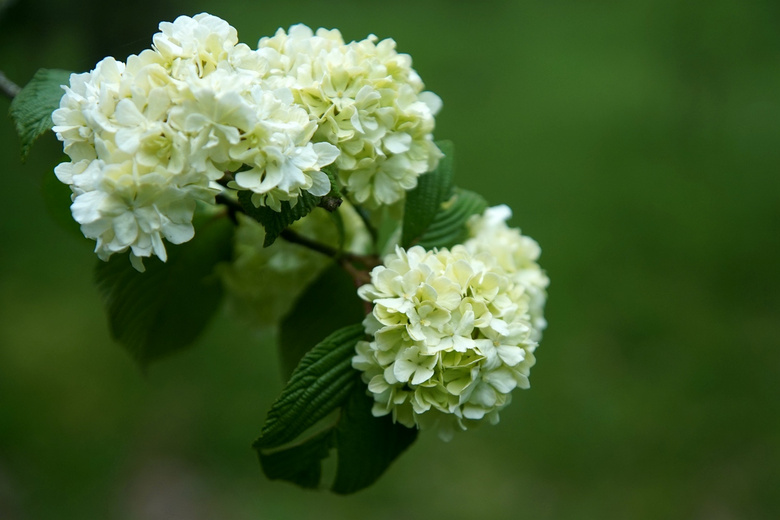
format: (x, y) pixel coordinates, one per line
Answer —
(367, 100)
(516, 254)
(131, 207)
(452, 337)
(86, 107)
(128, 177)
(201, 42)
(150, 138)
(293, 58)
(282, 161)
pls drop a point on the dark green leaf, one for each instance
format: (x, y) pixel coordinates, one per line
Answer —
(449, 226)
(274, 222)
(333, 177)
(329, 303)
(164, 309)
(367, 445)
(319, 385)
(423, 202)
(299, 464)
(323, 382)
(32, 107)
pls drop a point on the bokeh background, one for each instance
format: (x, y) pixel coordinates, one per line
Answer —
(638, 142)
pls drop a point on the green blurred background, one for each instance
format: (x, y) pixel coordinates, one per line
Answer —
(638, 142)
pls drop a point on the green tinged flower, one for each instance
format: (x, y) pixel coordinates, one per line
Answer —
(454, 331)
(517, 255)
(367, 101)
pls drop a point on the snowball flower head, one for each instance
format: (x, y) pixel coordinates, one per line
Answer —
(130, 183)
(149, 138)
(367, 100)
(452, 337)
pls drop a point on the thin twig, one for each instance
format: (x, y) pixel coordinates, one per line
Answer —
(295, 238)
(367, 261)
(357, 266)
(360, 276)
(8, 87)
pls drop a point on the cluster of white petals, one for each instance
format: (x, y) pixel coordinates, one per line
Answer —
(149, 138)
(516, 254)
(454, 331)
(367, 100)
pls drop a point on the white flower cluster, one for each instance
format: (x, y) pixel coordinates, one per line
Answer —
(149, 138)
(454, 331)
(367, 100)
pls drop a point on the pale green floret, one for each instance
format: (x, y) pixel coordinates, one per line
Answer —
(517, 255)
(367, 100)
(203, 41)
(451, 338)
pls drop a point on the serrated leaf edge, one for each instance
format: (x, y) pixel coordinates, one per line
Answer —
(303, 402)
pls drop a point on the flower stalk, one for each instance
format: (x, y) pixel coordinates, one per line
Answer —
(8, 87)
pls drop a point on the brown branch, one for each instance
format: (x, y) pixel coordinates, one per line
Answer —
(295, 238)
(358, 266)
(8, 87)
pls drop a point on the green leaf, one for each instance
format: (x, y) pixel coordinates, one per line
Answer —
(319, 385)
(323, 382)
(422, 203)
(300, 464)
(32, 107)
(449, 226)
(367, 445)
(329, 303)
(163, 310)
(275, 222)
(332, 172)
